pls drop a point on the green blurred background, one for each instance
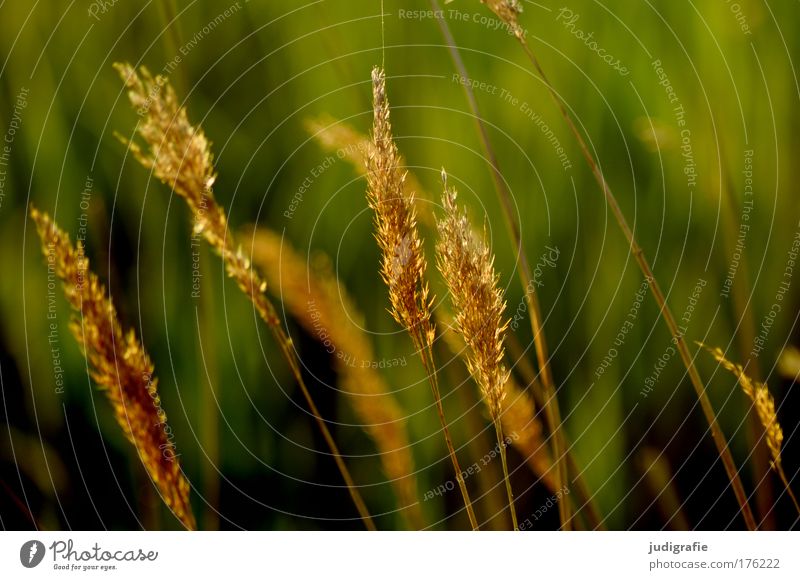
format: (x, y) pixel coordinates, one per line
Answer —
(253, 455)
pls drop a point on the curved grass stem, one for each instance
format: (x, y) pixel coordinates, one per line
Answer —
(719, 439)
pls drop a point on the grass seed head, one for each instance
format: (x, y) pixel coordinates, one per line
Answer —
(118, 364)
(467, 265)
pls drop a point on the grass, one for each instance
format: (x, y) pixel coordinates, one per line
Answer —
(299, 295)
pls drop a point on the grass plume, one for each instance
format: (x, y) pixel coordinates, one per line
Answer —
(179, 155)
(313, 295)
(467, 265)
(764, 405)
(119, 365)
(509, 9)
(403, 263)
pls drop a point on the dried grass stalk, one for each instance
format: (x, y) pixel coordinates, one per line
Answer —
(403, 263)
(467, 265)
(179, 155)
(764, 405)
(119, 366)
(508, 12)
(315, 298)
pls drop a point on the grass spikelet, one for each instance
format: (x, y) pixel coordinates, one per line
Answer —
(560, 450)
(764, 405)
(320, 304)
(118, 364)
(468, 268)
(179, 155)
(518, 414)
(508, 11)
(403, 264)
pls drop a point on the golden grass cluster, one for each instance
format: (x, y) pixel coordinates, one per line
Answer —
(179, 155)
(403, 263)
(119, 365)
(313, 295)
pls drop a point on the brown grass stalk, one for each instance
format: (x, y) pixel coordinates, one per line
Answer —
(764, 406)
(179, 155)
(508, 11)
(403, 264)
(467, 264)
(119, 366)
(322, 306)
(551, 408)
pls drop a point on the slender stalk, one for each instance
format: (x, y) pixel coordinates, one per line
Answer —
(312, 293)
(528, 375)
(426, 354)
(719, 438)
(493, 499)
(209, 402)
(289, 354)
(501, 442)
(552, 413)
(785, 481)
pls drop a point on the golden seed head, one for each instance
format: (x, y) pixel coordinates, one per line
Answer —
(762, 401)
(508, 11)
(467, 265)
(119, 365)
(180, 156)
(403, 262)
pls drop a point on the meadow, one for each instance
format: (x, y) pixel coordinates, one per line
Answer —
(467, 265)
